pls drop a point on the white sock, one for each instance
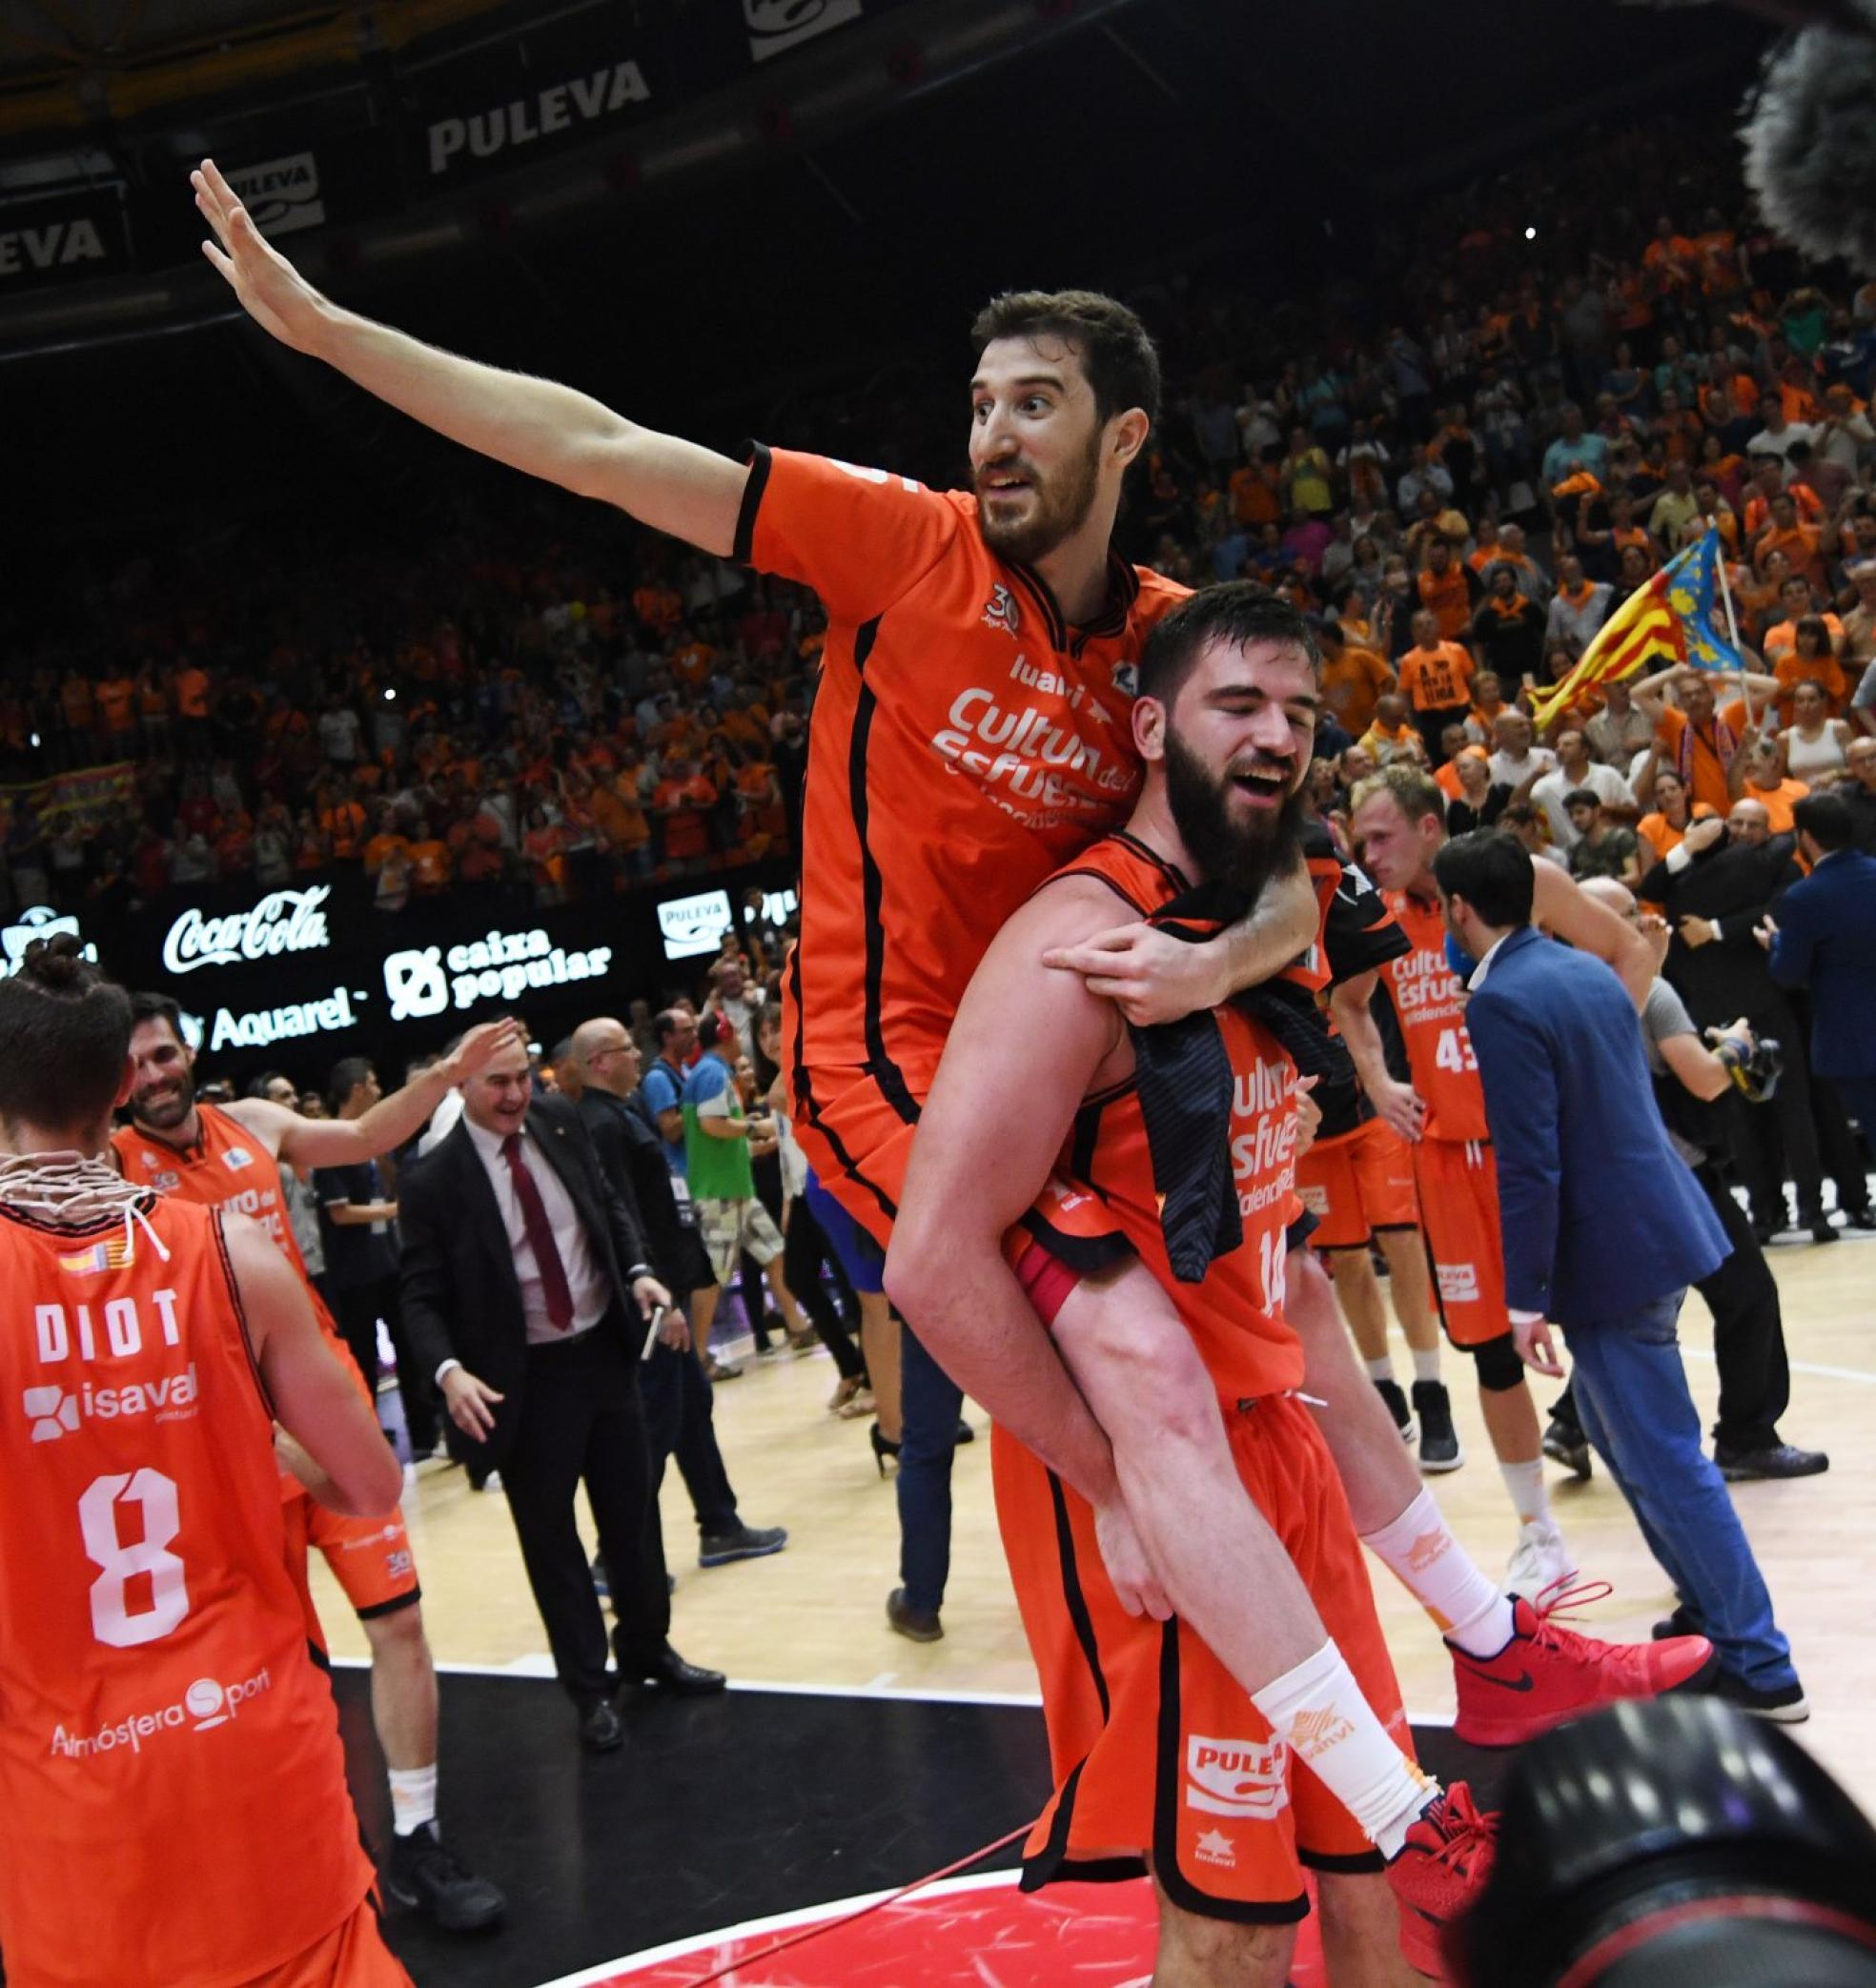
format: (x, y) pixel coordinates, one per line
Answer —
(413, 1798)
(1529, 1498)
(1318, 1711)
(1419, 1551)
(1426, 1363)
(1381, 1369)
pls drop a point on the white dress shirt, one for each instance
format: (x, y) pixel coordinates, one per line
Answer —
(587, 1282)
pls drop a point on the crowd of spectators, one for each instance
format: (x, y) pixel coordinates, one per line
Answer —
(1583, 366)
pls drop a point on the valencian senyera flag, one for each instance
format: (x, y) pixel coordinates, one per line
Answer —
(1675, 617)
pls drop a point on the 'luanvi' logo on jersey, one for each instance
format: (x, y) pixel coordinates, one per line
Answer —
(1000, 610)
(1127, 678)
(236, 1158)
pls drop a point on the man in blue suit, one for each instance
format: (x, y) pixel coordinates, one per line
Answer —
(1825, 939)
(1603, 1232)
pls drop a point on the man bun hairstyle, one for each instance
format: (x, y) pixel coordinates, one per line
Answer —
(1118, 356)
(65, 1033)
(1240, 613)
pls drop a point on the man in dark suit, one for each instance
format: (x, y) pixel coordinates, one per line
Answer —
(526, 1293)
(1605, 1228)
(1716, 888)
(601, 1069)
(1825, 939)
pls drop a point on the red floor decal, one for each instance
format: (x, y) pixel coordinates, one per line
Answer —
(968, 1933)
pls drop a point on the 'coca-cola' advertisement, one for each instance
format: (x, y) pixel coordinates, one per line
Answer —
(283, 921)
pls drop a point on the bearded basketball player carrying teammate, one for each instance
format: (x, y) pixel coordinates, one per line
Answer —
(169, 1763)
(971, 735)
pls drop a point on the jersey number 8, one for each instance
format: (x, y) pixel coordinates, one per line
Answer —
(112, 1619)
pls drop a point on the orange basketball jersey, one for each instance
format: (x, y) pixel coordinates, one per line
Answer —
(169, 1763)
(1428, 1000)
(228, 1167)
(965, 743)
(1235, 1315)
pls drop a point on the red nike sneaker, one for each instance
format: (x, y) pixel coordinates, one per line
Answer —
(1548, 1674)
(1438, 1878)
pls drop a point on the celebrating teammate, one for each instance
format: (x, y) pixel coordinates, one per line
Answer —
(170, 1766)
(1400, 823)
(1227, 702)
(231, 1156)
(971, 734)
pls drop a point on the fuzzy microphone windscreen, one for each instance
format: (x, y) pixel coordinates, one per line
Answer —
(1810, 138)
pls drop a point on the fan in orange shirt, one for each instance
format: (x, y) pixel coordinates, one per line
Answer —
(1696, 740)
(1353, 679)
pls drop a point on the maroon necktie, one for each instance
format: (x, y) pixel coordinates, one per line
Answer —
(540, 1236)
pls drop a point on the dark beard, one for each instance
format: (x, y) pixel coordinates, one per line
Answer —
(1244, 855)
(180, 1109)
(1060, 511)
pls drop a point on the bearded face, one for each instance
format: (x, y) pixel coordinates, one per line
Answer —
(1244, 825)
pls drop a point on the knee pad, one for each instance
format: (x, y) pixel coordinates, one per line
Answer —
(1500, 1368)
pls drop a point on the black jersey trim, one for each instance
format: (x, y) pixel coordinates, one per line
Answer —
(240, 1310)
(742, 549)
(880, 1064)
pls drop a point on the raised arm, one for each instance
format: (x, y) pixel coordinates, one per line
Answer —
(349, 1141)
(1562, 910)
(534, 425)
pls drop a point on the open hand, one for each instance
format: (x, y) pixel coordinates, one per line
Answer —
(483, 1045)
(272, 293)
(471, 1403)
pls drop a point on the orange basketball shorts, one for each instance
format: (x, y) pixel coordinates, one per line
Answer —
(1157, 1749)
(1457, 1183)
(353, 1954)
(1357, 1184)
(858, 1142)
(370, 1558)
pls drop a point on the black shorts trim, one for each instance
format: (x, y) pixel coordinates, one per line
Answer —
(392, 1607)
(742, 548)
(1088, 1256)
(1167, 1788)
(1300, 1231)
(1365, 1863)
(1050, 1862)
(1075, 1599)
(809, 1111)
